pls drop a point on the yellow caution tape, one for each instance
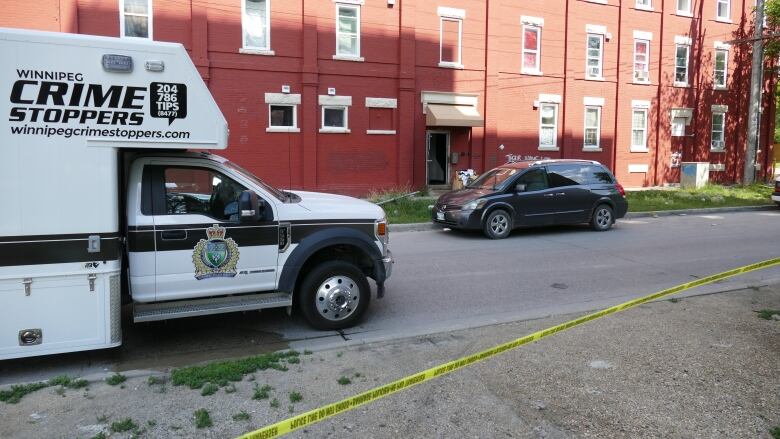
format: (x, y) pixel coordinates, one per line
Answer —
(330, 410)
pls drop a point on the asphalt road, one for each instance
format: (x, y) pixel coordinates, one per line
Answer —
(445, 280)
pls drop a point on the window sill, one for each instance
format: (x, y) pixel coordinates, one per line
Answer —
(591, 149)
(548, 148)
(601, 2)
(718, 150)
(348, 58)
(684, 14)
(642, 83)
(720, 88)
(724, 20)
(531, 72)
(450, 65)
(599, 78)
(645, 8)
(381, 132)
(332, 130)
(642, 150)
(682, 85)
(282, 130)
(263, 52)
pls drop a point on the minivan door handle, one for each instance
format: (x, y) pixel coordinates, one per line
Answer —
(174, 235)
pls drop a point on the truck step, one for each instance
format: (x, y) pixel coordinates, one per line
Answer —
(201, 307)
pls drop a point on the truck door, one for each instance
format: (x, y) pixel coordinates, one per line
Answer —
(201, 246)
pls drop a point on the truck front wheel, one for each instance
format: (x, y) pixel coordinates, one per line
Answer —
(334, 295)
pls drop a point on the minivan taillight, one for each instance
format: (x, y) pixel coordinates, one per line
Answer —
(620, 189)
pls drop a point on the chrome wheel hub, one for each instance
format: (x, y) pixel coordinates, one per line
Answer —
(337, 298)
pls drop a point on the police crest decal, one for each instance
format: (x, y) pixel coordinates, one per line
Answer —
(215, 256)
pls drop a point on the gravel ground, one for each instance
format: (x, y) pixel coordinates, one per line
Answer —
(703, 366)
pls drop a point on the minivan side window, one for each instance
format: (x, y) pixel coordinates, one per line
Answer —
(534, 180)
(567, 175)
(599, 175)
(201, 191)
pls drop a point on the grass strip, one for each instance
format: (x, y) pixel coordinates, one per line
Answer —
(232, 370)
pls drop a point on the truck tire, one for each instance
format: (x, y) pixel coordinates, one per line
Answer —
(334, 295)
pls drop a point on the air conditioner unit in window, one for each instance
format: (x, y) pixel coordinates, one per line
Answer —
(641, 76)
(594, 72)
(718, 144)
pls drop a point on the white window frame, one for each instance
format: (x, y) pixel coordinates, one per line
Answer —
(244, 25)
(344, 129)
(684, 124)
(149, 20)
(722, 132)
(719, 17)
(644, 5)
(283, 128)
(348, 56)
(684, 12)
(687, 65)
(597, 146)
(554, 126)
(725, 83)
(538, 51)
(451, 64)
(643, 146)
(600, 76)
(638, 41)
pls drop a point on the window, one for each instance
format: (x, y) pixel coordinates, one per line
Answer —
(348, 31)
(592, 127)
(678, 126)
(721, 68)
(684, 7)
(135, 19)
(567, 175)
(201, 191)
(255, 22)
(533, 179)
(594, 56)
(531, 46)
(723, 9)
(282, 116)
(334, 118)
(641, 61)
(644, 4)
(718, 132)
(639, 130)
(681, 65)
(449, 42)
(548, 126)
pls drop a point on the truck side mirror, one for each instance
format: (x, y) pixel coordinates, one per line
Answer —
(520, 187)
(250, 207)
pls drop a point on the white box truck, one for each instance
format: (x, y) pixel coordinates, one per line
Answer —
(104, 203)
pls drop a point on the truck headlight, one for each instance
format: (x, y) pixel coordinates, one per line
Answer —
(474, 205)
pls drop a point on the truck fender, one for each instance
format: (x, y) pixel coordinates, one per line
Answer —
(326, 238)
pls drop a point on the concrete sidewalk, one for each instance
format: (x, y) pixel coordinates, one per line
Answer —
(703, 366)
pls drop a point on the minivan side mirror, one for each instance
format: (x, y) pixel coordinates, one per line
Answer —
(250, 207)
(520, 187)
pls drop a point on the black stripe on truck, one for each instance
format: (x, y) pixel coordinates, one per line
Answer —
(55, 249)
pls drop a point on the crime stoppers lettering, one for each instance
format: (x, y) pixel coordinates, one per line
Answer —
(215, 256)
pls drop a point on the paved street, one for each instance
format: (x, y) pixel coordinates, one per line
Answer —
(446, 280)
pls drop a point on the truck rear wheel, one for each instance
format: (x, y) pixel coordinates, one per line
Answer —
(334, 295)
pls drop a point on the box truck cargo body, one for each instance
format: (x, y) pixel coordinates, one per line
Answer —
(104, 200)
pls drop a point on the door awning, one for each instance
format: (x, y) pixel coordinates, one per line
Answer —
(453, 116)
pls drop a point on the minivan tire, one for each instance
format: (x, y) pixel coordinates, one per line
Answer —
(498, 224)
(603, 218)
(334, 295)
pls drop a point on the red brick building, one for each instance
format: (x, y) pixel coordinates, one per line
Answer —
(349, 95)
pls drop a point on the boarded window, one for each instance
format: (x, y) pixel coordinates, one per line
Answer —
(380, 119)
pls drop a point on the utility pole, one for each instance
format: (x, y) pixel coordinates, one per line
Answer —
(754, 108)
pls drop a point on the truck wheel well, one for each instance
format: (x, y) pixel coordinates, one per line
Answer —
(345, 252)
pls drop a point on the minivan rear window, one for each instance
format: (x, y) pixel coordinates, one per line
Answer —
(567, 175)
(599, 175)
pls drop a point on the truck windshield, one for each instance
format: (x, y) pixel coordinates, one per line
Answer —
(249, 176)
(495, 179)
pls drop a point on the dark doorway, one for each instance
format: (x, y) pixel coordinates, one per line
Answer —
(438, 151)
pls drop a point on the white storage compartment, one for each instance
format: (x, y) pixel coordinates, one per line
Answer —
(694, 175)
(60, 313)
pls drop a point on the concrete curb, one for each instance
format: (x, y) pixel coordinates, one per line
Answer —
(421, 227)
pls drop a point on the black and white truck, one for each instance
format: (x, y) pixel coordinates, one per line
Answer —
(104, 202)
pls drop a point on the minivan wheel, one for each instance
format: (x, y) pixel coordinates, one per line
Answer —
(498, 224)
(334, 295)
(603, 218)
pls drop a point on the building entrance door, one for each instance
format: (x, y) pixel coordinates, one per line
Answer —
(438, 147)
